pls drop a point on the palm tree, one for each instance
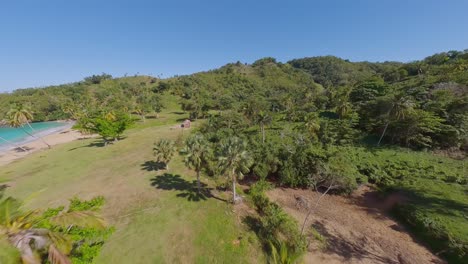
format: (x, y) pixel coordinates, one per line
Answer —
(263, 118)
(139, 111)
(164, 150)
(399, 106)
(312, 124)
(343, 106)
(20, 115)
(20, 229)
(196, 153)
(235, 160)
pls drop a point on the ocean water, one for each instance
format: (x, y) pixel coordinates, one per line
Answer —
(18, 136)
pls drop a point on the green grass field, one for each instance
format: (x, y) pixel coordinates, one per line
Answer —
(157, 215)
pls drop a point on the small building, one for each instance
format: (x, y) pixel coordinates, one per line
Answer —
(186, 124)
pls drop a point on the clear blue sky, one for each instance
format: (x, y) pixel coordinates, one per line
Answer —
(57, 41)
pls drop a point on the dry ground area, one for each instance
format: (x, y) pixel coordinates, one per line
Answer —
(357, 229)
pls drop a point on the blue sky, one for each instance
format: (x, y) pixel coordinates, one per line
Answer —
(55, 41)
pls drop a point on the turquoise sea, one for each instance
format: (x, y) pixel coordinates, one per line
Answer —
(18, 136)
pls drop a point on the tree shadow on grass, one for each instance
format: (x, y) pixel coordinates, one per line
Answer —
(153, 165)
(255, 225)
(186, 189)
(98, 144)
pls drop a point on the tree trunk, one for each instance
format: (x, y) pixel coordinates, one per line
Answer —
(167, 165)
(32, 129)
(315, 206)
(198, 181)
(16, 145)
(143, 119)
(234, 191)
(263, 132)
(383, 133)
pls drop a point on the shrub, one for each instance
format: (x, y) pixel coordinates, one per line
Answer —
(275, 226)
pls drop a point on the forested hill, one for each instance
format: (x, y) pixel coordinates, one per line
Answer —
(421, 104)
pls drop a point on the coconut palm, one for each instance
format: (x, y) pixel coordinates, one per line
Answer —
(399, 106)
(196, 152)
(343, 106)
(20, 229)
(164, 150)
(234, 160)
(263, 118)
(18, 116)
(312, 124)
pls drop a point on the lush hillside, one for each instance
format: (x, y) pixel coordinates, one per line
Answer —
(322, 123)
(98, 92)
(421, 104)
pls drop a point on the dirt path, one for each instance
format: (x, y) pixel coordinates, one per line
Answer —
(356, 229)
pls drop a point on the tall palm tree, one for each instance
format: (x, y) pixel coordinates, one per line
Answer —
(312, 124)
(263, 118)
(18, 116)
(234, 160)
(399, 106)
(343, 106)
(196, 152)
(164, 150)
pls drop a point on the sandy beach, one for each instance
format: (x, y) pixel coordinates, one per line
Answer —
(65, 135)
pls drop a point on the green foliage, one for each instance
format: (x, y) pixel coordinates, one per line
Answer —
(87, 241)
(92, 205)
(435, 189)
(96, 79)
(275, 227)
(164, 150)
(338, 131)
(77, 238)
(435, 231)
(312, 114)
(109, 126)
(234, 160)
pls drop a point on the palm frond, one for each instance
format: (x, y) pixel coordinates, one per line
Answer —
(57, 257)
(79, 218)
(61, 242)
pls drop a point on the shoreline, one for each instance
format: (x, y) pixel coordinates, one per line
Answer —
(53, 137)
(36, 136)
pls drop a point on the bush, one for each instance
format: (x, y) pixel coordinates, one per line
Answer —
(79, 205)
(275, 226)
(87, 241)
(434, 232)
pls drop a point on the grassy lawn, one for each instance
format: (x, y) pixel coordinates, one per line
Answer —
(157, 215)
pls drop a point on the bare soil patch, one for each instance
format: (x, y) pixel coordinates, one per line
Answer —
(357, 229)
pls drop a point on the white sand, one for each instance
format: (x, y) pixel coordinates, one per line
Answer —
(56, 138)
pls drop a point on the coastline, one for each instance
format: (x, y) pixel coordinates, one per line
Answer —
(28, 139)
(53, 137)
